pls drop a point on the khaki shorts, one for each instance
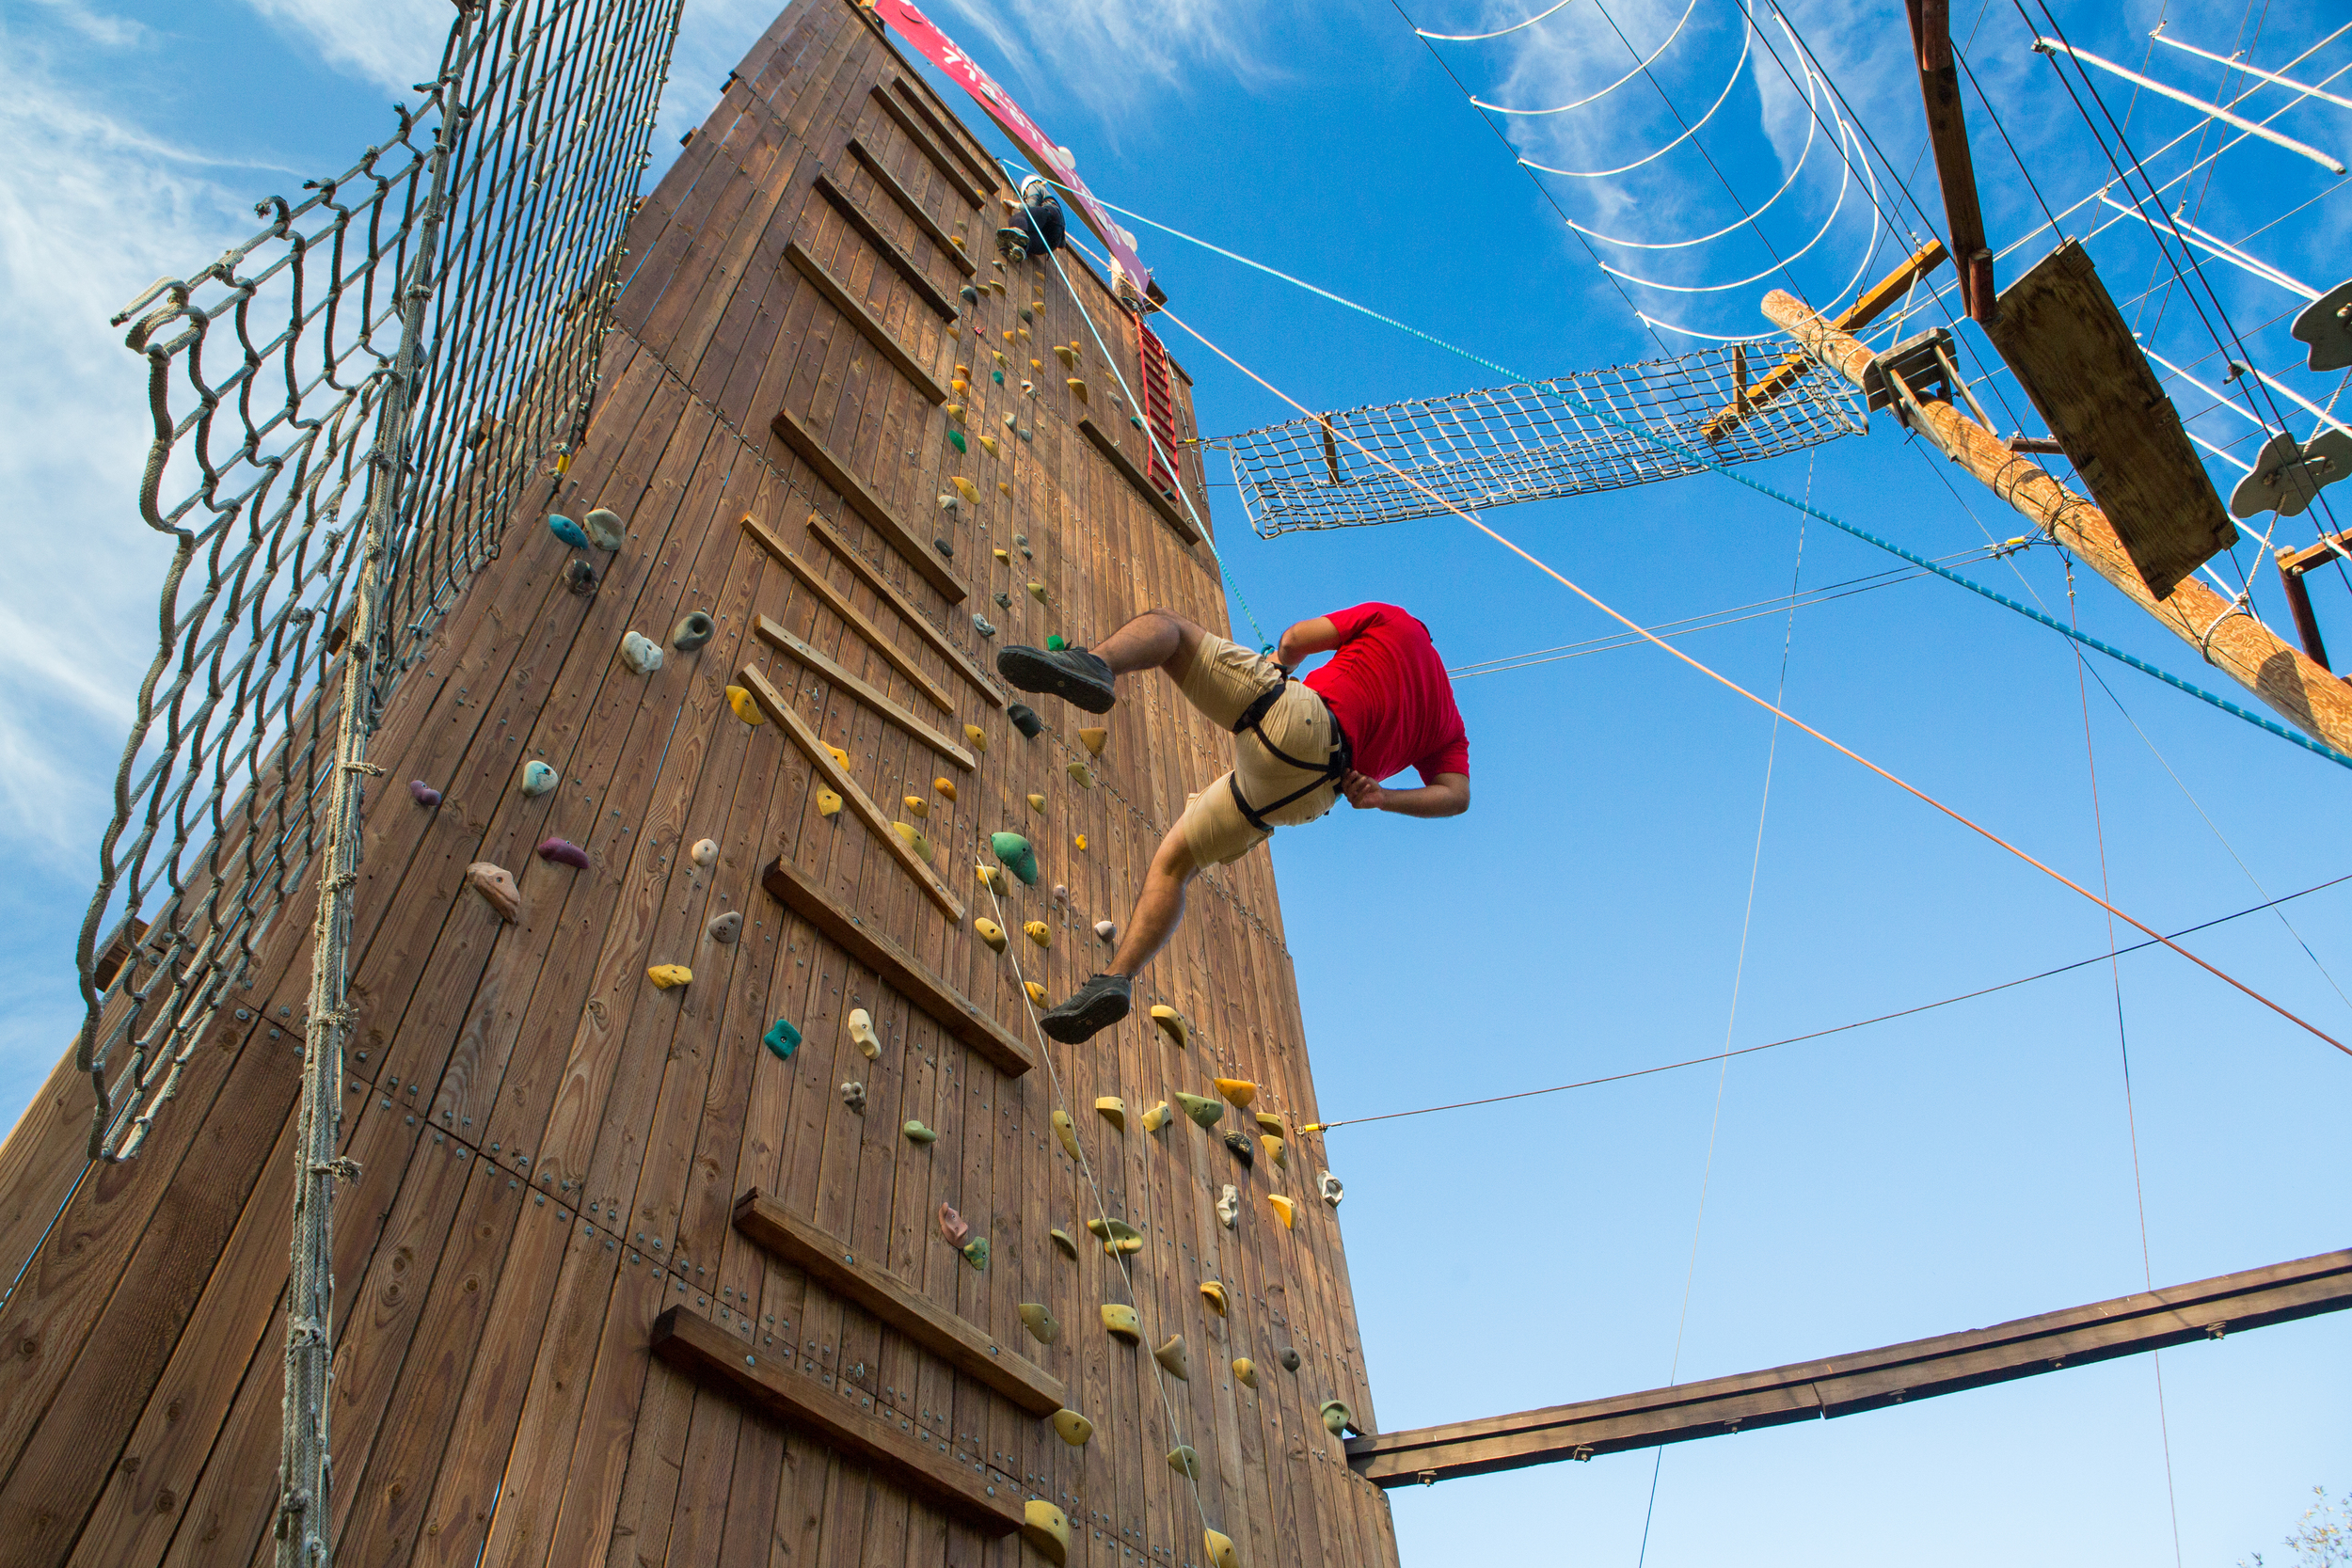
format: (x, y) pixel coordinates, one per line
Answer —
(1223, 681)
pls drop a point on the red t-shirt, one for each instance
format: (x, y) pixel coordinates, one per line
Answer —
(1388, 688)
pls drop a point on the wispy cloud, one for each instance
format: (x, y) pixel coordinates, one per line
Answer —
(392, 43)
(94, 27)
(1102, 56)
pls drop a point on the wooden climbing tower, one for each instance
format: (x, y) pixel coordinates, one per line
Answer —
(619, 1281)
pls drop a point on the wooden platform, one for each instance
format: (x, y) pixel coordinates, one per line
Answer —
(552, 1150)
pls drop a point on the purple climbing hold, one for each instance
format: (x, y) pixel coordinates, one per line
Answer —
(562, 851)
(427, 795)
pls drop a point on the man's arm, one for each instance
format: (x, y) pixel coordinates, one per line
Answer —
(1306, 639)
(1448, 797)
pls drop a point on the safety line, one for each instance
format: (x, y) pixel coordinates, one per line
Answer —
(1839, 1029)
(1734, 687)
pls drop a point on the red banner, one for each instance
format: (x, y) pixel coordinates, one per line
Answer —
(1055, 162)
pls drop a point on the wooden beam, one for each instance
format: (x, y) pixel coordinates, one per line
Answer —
(786, 717)
(939, 160)
(887, 249)
(2241, 646)
(1947, 133)
(914, 209)
(813, 451)
(983, 173)
(2076, 359)
(899, 970)
(892, 594)
(1870, 1380)
(832, 1264)
(868, 325)
(784, 643)
(714, 1358)
(1867, 307)
(839, 602)
(1135, 476)
(2295, 562)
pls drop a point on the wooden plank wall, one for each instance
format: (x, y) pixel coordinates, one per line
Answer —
(551, 1147)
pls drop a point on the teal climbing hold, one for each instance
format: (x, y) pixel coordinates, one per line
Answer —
(1019, 858)
(999, 376)
(567, 531)
(538, 778)
(955, 438)
(1055, 643)
(782, 1038)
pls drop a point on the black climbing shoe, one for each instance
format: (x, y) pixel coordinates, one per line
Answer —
(1077, 678)
(1099, 1003)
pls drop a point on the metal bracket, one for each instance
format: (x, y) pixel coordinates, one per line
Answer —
(1915, 369)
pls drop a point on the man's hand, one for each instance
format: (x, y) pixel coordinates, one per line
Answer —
(1448, 797)
(1362, 793)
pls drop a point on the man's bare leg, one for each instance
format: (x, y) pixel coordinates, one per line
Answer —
(1160, 906)
(1155, 640)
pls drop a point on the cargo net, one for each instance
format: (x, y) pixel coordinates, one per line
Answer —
(1593, 431)
(486, 234)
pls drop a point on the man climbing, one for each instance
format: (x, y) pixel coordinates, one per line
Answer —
(1382, 705)
(1037, 225)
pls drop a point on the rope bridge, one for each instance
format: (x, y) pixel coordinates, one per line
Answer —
(1535, 441)
(347, 407)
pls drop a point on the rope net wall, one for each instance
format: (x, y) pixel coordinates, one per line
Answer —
(347, 408)
(1500, 445)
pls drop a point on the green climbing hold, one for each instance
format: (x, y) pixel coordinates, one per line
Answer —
(976, 1253)
(1337, 1417)
(1041, 1322)
(1018, 857)
(1200, 1108)
(782, 1038)
(1055, 644)
(955, 438)
(918, 1134)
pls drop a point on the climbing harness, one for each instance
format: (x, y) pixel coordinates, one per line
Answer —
(1328, 771)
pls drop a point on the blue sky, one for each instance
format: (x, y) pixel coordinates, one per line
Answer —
(1590, 917)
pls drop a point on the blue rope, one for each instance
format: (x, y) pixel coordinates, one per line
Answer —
(2258, 721)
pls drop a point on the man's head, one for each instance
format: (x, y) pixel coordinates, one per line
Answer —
(1035, 192)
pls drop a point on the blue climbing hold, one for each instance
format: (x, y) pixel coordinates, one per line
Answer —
(782, 1038)
(1019, 858)
(567, 531)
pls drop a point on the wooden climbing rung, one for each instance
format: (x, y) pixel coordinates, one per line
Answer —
(852, 617)
(887, 249)
(813, 451)
(869, 326)
(1867, 307)
(1133, 476)
(904, 118)
(714, 1358)
(784, 643)
(889, 591)
(983, 173)
(890, 186)
(830, 1262)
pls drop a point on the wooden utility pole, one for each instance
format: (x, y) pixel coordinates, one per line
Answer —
(2230, 638)
(1947, 133)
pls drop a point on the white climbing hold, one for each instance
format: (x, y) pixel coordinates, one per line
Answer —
(853, 1096)
(640, 654)
(1329, 1187)
(538, 778)
(1106, 929)
(862, 1031)
(1228, 1204)
(706, 852)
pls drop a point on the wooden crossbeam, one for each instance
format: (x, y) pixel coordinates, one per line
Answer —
(1870, 1380)
(832, 1264)
(857, 620)
(1867, 307)
(783, 642)
(896, 597)
(952, 135)
(869, 326)
(904, 120)
(902, 971)
(914, 209)
(1135, 476)
(813, 452)
(1947, 133)
(836, 1418)
(887, 249)
(788, 719)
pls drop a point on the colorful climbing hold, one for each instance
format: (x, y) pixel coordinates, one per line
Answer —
(567, 531)
(1092, 740)
(988, 444)
(1239, 1090)
(1019, 858)
(1213, 1293)
(978, 737)
(694, 629)
(913, 838)
(1202, 1110)
(1113, 1110)
(1036, 804)
(562, 851)
(1004, 556)
(990, 933)
(853, 1096)
(704, 854)
(669, 976)
(1119, 1322)
(1037, 992)
(497, 886)
(989, 878)
(1171, 1355)
(861, 1025)
(1229, 1206)
(976, 1253)
(1078, 389)
(1157, 1116)
(980, 623)
(918, 806)
(1267, 1122)
(1061, 1239)
(1289, 1359)
(1041, 1322)
(1081, 842)
(1237, 1143)
(1024, 718)
(838, 755)
(1062, 894)
(1047, 1528)
(1182, 1460)
(1080, 774)
(1286, 1209)
(1004, 487)
(1072, 1428)
(423, 793)
(944, 547)
(724, 928)
(947, 788)
(739, 699)
(579, 577)
(1068, 355)
(1337, 1417)
(954, 439)
(1175, 1027)
(971, 296)
(605, 528)
(640, 653)
(1067, 1132)
(966, 488)
(1218, 1548)
(828, 803)
(538, 778)
(783, 1038)
(952, 1226)
(918, 1134)
(1245, 1372)
(1276, 1150)
(1037, 931)
(1117, 1236)
(1328, 1188)
(1055, 643)
(1037, 592)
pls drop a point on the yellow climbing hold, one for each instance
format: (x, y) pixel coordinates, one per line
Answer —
(1037, 992)
(1286, 1209)
(1092, 740)
(966, 488)
(991, 877)
(1047, 1528)
(1119, 1322)
(990, 933)
(665, 977)
(1173, 1024)
(1245, 1372)
(1276, 1150)
(839, 755)
(978, 737)
(945, 787)
(745, 708)
(1061, 1240)
(1072, 1428)
(1182, 1460)
(918, 806)
(1078, 389)
(1213, 1293)
(1080, 774)
(1219, 1547)
(1039, 1322)
(1269, 1122)
(1037, 592)
(1004, 487)
(1081, 842)
(1117, 1236)
(1238, 1090)
(1157, 1116)
(1036, 804)
(954, 410)
(1171, 1355)
(958, 386)
(988, 444)
(914, 840)
(862, 1031)
(1005, 556)
(1036, 932)
(1068, 355)
(1067, 1132)
(1113, 1110)
(828, 803)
